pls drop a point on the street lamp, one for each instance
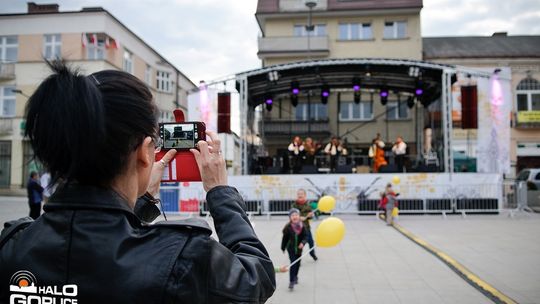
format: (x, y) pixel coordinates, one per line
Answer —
(310, 27)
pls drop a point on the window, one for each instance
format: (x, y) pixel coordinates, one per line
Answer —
(317, 111)
(52, 46)
(8, 48)
(5, 163)
(355, 31)
(395, 30)
(318, 31)
(96, 51)
(528, 95)
(148, 75)
(7, 101)
(163, 81)
(352, 111)
(128, 62)
(397, 110)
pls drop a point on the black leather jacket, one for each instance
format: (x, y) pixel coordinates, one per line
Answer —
(91, 238)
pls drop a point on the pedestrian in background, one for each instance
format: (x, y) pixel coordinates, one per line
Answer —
(388, 202)
(306, 214)
(294, 239)
(35, 195)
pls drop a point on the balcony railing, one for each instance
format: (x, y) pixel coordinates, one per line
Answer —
(295, 127)
(7, 71)
(285, 46)
(6, 126)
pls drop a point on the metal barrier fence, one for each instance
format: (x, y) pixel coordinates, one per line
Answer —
(252, 207)
(509, 194)
(416, 199)
(477, 205)
(434, 205)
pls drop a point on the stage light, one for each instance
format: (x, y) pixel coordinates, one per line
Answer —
(414, 71)
(325, 92)
(356, 84)
(356, 89)
(384, 96)
(419, 88)
(295, 88)
(268, 101)
(273, 76)
(410, 102)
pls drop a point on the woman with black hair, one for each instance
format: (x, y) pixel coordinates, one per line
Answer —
(97, 135)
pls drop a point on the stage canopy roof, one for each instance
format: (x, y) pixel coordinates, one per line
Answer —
(396, 75)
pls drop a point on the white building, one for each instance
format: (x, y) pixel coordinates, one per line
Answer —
(91, 39)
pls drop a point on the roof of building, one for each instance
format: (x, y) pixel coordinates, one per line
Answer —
(497, 46)
(85, 10)
(272, 6)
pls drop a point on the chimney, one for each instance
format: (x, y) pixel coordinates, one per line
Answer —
(92, 9)
(500, 34)
(34, 8)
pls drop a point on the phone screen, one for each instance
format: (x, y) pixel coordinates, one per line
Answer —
(179, 135)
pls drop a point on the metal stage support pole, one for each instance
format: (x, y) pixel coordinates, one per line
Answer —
(243, 123)
(446, 87)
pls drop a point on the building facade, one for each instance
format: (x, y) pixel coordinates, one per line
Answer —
(342, 29)
(519, 53)
(91, 39)
(391, 29)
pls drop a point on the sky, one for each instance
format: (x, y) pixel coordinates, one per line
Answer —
(209, 39)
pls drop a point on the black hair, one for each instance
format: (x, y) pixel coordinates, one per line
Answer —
(33, 173)
(83, 129)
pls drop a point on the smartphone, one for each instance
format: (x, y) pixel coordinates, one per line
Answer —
(181, 136)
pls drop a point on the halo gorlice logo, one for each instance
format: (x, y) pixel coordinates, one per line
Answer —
(24, 290)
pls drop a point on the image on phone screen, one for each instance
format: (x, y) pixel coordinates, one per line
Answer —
(179, 135)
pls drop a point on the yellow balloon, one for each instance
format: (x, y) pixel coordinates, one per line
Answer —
(326, 204)
(330, 232)
(396, 180)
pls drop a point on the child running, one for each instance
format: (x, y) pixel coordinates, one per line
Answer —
(294, 239)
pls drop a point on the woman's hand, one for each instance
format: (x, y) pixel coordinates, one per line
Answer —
(210, 161)
(157, 172)
(301, 245)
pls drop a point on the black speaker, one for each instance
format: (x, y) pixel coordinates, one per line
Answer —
(224, 112)
(469, 107)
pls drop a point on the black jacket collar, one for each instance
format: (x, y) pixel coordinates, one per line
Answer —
(77, 196)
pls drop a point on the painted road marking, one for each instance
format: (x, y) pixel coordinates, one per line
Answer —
(484, 287)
